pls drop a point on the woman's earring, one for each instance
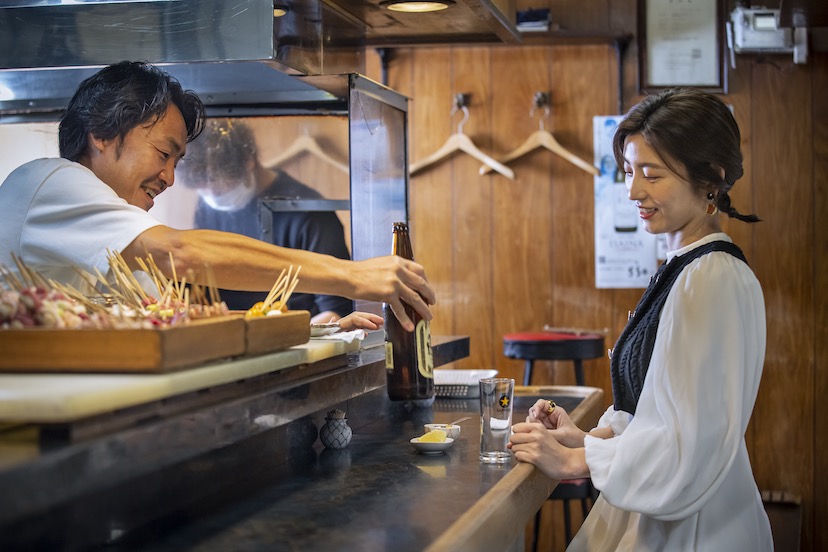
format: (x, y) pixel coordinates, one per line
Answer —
(711, 207)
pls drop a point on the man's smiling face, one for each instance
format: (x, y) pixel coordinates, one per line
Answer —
(142, 165)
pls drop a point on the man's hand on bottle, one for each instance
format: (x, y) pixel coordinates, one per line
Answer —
(396, 281)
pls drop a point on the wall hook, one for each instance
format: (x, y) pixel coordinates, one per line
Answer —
(461, 101)
(541, 100)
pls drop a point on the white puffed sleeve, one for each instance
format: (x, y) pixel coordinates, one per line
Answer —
(617, 420)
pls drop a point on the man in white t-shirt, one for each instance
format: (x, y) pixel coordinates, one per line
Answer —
(120, 139)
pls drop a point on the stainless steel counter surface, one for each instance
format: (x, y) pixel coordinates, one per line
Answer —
(378, 494)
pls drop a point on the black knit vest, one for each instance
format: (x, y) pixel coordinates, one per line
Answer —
(634, 348)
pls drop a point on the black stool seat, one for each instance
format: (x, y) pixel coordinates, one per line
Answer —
(532, 346)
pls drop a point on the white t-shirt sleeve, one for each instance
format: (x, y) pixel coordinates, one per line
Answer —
(75, 219)
(697, 396)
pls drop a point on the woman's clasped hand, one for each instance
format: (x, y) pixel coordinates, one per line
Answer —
(551, 441)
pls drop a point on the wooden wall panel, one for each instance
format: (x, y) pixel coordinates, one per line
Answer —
(577, 100)
(820, 180)
(472, 223)
(742, 194)
(783, 416)
(430, 198)
(522, 209)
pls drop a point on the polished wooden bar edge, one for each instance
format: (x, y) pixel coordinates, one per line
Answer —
(497, 521)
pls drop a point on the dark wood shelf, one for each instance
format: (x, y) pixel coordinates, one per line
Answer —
(574, 38)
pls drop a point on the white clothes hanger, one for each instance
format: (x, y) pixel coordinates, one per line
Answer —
(305, 144)
(542, 138)
(460, 142)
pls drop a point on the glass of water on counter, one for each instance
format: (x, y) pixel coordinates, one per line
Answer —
(496, 396)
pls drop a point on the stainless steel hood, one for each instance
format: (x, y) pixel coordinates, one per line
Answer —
(243, 87)
(231, 52)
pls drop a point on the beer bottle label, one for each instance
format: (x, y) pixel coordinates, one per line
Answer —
(425, 357)
(389, 356)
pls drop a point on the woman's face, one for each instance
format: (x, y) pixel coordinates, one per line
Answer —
(667, 202)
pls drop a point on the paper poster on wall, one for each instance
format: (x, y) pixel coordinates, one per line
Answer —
(625, 254)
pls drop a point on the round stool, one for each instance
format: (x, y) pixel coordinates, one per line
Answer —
(532, 346)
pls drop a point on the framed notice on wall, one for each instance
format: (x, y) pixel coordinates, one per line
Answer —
(681, 43)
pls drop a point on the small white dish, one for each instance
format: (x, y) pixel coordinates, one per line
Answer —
(452, 431)
(318, 330)
(430, 448)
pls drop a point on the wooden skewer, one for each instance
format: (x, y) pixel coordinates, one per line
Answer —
(198, 295)
(293, 284)
(213, 284)
(30, 277)
(172, 268)
(113, 291)
(78, 297)
(23, 270)
(146, 268)
(89, 279)
(121, 270)
(181, 289)
(158, 274)
(285, 285)
(282, 289)
(10, 278)
(169, 291)
(126, 285)
(278, 287)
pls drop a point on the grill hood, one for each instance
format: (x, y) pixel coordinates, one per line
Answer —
(230, 52)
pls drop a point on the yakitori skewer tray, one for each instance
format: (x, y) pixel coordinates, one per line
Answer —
(159, 349)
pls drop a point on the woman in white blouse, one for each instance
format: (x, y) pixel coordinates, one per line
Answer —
(669, 456)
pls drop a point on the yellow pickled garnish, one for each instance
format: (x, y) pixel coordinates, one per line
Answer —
(437, 472)
(166, 313)
(434, 436)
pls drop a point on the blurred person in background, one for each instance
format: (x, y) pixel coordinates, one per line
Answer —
(223, 166)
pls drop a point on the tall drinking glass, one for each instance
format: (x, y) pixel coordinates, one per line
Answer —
(495, 419)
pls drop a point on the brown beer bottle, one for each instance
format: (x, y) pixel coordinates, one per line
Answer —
(409, 363)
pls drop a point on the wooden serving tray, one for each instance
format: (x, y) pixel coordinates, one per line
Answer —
(125, 350)
(267, 334)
